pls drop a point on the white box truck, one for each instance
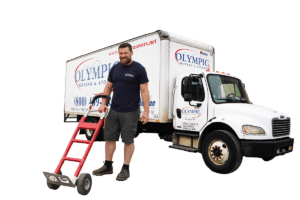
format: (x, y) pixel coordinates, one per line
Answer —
(191, 105)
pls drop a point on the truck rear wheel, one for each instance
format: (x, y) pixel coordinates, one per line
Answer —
(222, 152)
(89, 132)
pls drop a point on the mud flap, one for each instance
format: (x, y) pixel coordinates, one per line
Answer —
(58, 179)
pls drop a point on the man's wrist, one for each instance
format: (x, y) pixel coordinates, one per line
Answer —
(146, 110)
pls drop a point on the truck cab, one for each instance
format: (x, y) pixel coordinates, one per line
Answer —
(212, 114)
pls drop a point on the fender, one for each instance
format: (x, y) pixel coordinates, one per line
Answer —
(209, 127)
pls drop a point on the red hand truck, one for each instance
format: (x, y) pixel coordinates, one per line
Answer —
(84, 181)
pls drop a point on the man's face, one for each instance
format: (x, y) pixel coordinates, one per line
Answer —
(125, 55)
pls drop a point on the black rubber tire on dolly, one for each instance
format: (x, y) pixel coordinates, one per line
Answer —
(268, 158)
(223, 145)
(84, 183)
(89, 133)
(53, 186)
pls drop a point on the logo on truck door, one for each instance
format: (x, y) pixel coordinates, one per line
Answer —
(190, 58)
(194, 113)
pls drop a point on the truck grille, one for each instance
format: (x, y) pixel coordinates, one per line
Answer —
(281, 127)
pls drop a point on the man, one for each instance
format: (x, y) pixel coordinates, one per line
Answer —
(128, 78)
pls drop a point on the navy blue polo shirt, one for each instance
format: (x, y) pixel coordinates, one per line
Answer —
(126, 88)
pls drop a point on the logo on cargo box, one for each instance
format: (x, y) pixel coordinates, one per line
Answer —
(202, 53)
(192, 112)
(151, 103)
(189, 58)
(91, 73)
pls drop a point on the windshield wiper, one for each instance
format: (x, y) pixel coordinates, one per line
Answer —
(239, 100)
(243, 100)
(225, 99)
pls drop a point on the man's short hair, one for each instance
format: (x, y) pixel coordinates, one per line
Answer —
(124, 45)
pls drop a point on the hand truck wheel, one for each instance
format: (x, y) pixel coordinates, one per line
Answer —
(84, 183)
(53, 187)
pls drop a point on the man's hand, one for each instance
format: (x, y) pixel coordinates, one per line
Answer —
(107, 91)
(145, 117)
(101, 108)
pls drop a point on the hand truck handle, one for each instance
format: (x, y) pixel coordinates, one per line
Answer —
(98, 96)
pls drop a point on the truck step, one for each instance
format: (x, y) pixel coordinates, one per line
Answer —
(189, 134)
(190, 149)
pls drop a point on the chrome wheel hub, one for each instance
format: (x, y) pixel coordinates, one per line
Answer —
(218, 152)
(87, 184)
(89, 132)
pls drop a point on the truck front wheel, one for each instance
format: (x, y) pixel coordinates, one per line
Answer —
(222, 152)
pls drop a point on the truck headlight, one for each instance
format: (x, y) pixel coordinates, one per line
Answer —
(253, 130)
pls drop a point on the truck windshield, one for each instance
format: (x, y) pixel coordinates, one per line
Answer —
(226, 89)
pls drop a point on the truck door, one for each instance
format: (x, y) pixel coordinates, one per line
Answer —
(190, 104)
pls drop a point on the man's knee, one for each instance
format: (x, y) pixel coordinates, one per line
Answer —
(129, 145)
(111, 143)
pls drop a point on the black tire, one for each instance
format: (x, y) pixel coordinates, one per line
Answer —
(88, 132)
(88, 120)
(136, 134)
(165, 132)
(53, 186)
(268, 158)
(167, 137)
(84, 183)
(221, 152)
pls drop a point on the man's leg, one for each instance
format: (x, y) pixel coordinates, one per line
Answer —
(110, 147)
(128, 152)
(111, 134)
(128, 122)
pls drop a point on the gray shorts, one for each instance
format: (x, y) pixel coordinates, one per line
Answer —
(124, 122)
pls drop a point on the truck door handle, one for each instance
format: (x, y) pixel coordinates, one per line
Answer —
(178, 110)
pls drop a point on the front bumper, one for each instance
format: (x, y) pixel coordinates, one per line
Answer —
(267, 148)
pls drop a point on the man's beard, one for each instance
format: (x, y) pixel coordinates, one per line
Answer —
(127, 62)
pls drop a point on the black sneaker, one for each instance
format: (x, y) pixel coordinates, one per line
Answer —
(103, 170)
(123, 175)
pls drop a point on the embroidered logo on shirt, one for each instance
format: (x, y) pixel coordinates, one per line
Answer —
(129, 75)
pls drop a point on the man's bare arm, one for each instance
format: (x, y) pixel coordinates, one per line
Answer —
(146, 100)
(107, 91)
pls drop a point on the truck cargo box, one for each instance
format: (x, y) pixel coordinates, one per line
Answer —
(163, 54)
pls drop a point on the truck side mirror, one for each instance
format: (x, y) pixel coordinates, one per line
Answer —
(244, 85)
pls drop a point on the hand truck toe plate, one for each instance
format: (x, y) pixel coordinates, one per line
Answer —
(58, 179)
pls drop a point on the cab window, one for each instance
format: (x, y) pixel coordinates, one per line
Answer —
(192, 86)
